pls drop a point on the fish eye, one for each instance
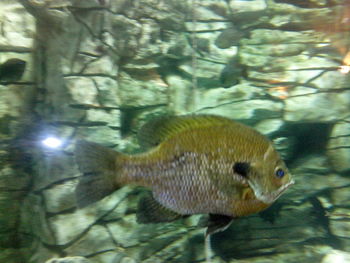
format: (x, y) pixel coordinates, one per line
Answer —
(279, 173)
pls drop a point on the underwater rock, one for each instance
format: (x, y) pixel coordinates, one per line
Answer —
(10, 103)
(276, 37)
(269, 126)
(336, 256)
(241, 102)
(69, 227)
(321, 179)
(34, 220)
(317, 165)
(107, 94)
(180, 94)
(339, 215)
(338, 149)
(102, 134)
(110, 118)
(284, 145)
(60, 197)
(96, 240)
(249, 232)
(69, 260)
(169, 14)
(301, 104)
(155, 242)
(87, 95)
(308, 3)
(56, 167)
(247, 6)
(18, 27)
(207, 10)
(138, 93)
(103, 65)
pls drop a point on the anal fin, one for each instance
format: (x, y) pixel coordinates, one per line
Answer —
(150, 211)
(217, 223)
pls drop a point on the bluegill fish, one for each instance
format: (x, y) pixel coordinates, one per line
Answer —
(198, 164)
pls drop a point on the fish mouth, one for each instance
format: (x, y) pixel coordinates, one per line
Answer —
(269, 198)
(283, 188)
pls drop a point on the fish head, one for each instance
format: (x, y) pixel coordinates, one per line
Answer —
(269, 176)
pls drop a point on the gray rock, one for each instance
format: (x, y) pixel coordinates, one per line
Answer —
(302, 102)
(208, 11)
(279, 232)
(88, 95)
(42, 254)
(336, 256)
(285, 146)
(123, 259)
(320, 179)
(138, 93)
(239, 103)
(269, 126)
(56, 167)
(180, 94)
(107, 91)
(72, 226)
(306, 3)
(246, 6)
(112, 257)
(9, 183)
(18, 25)
(10, 103)
(152, 242)
(102, 134)
(96, 240)
(338, 149)
(60, 197)
(111, 118)
(69, 260)
(34, 220)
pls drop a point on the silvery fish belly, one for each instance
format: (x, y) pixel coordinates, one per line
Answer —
(199, 164)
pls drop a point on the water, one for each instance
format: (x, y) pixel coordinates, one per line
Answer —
(99, 70)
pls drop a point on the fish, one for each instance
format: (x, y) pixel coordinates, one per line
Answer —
(229, 37)
(12, 70)
(191, 164)
(232, 73)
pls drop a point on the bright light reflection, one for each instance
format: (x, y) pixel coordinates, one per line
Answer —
(344, 69)
(52, 142)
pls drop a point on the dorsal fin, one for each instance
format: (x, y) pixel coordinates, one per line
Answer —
(159, 129)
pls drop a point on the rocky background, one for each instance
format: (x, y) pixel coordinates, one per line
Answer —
(99, 69)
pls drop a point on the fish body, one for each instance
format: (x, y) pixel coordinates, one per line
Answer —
(200, 164)
(232, 73)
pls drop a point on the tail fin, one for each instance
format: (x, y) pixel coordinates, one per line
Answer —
(98, 165)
